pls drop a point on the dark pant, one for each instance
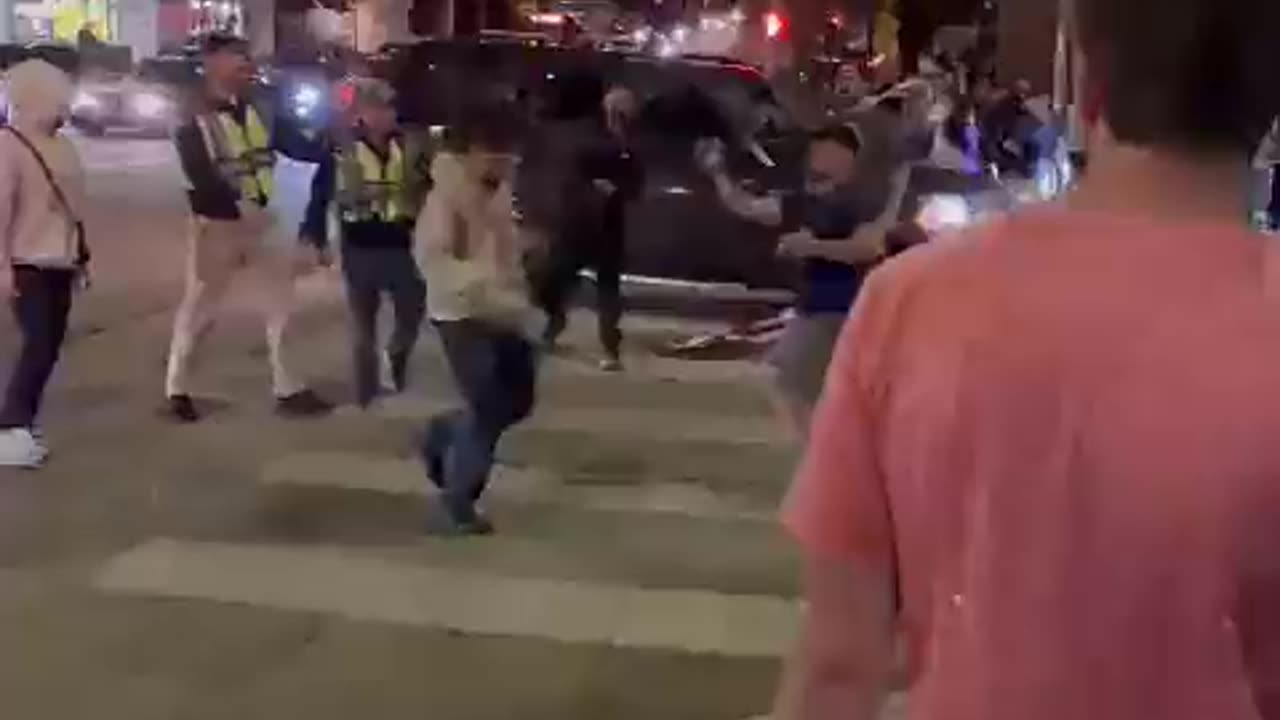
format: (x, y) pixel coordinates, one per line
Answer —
(1273, 208)
(567, 260)
(42, 307)
(370, 272)
(495, 371)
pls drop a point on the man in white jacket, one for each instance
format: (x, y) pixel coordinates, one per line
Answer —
(478, 301)
(42, 245)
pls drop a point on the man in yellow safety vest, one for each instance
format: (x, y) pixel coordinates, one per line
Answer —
(228, 149)
(376, 183)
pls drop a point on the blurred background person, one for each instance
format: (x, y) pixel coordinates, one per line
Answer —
(597, 242)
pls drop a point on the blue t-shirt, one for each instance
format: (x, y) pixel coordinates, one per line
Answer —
(827, 286)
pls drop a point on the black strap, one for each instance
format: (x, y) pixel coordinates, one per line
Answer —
(82, 246)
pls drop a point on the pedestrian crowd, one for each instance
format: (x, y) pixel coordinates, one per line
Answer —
(1040, 460)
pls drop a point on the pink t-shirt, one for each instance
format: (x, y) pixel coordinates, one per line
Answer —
(1062, 434)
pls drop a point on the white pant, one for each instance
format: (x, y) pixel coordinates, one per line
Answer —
(218, 249)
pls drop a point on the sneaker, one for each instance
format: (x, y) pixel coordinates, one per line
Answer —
(303, 404)
(611, 364)
(37, 433)
(20, 449)
(183, 409)
(440, 523)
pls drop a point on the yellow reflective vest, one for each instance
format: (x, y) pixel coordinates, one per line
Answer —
(371, 187)
(242, 152)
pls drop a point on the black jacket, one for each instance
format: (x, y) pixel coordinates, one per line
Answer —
(209, 193)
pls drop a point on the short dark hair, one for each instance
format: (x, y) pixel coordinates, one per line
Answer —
(490, 128)
(218, 42)
(843, 135)
(1191, 75)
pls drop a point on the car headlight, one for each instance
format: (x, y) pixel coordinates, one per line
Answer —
(150, 105)
(939, 213)
(306, 98)
(85, 101)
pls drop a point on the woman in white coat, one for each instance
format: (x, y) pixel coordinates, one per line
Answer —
(43, 253)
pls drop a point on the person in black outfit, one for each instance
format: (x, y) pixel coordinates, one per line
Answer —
(592, 233)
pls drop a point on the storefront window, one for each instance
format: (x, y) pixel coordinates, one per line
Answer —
(217, 16)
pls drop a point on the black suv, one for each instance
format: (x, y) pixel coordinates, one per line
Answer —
(677, 229)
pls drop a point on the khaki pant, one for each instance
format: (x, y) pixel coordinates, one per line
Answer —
(218, 249)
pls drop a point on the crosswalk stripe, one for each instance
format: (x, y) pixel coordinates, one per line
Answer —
(652, 425)
(334, 581)
(401, 477)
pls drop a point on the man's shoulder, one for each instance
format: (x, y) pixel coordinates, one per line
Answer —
(952, 262)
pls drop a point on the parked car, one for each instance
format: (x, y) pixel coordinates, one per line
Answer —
(677, 228)
(147, 100)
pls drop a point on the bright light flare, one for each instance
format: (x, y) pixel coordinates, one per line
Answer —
(150, 105)
(773, 25)
(939, 213)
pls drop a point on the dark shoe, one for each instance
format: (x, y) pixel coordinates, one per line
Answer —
(442, 523)
(398, 365)
(182, 409)
(304, 404)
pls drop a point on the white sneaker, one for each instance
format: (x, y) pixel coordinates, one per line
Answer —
(19, 448)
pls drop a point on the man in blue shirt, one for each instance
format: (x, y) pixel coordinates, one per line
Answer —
(836, 227)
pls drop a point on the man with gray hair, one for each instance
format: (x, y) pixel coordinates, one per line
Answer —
(376, 183)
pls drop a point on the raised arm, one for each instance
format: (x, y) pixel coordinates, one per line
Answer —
(762, 209)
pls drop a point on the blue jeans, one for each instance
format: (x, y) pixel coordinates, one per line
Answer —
(495, 371)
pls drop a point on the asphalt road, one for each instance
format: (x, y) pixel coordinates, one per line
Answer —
(254, 568)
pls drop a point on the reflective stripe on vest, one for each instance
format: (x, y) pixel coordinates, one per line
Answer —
(242, 153)
(370, 189)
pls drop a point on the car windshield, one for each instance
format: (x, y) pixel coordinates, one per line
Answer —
(176, 71)
(740, 98)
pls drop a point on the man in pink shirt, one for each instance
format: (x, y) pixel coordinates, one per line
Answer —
(1048, 454)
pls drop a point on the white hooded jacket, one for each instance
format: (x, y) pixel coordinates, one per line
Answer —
(35, 227)
(468, 248)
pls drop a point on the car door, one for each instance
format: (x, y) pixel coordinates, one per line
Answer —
(678, 228)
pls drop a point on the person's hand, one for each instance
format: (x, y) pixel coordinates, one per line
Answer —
(312, 258)
(709, 154)
(8, 281)
(605, 186)
(84, 279)
(800, 244)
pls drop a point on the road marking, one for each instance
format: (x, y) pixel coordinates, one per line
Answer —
(657, 425)
(401, 477)
(334, 581)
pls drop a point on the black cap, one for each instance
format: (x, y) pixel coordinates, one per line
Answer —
(217, 42)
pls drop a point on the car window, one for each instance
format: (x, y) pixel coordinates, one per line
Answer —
(168, 71)
(684, 113)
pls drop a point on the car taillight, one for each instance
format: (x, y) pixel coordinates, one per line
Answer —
(346, 95)
(774, 25)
